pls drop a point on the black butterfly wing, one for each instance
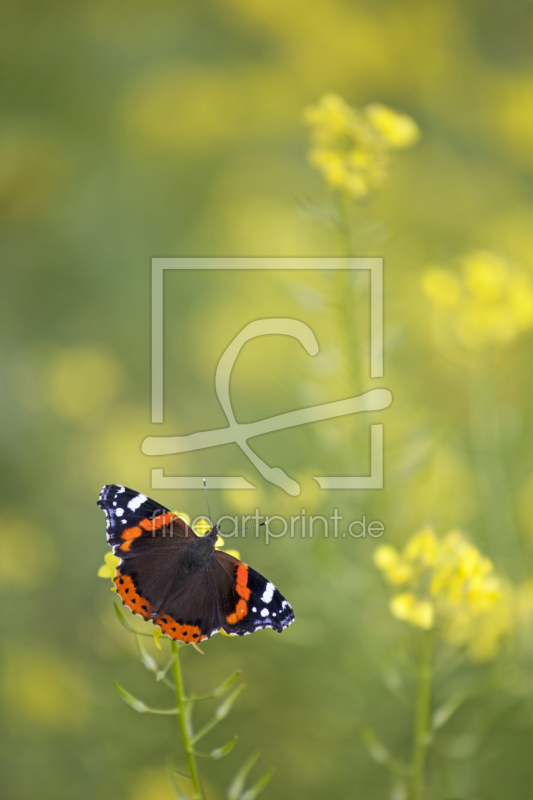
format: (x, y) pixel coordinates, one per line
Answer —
(135, 523)
(248, 601)
(153, 586)
(152, 544)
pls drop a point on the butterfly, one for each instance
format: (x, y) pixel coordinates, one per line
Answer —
(177, 580)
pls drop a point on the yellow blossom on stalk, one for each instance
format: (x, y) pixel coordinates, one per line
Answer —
(107, 570)
(490, 302)
(396, 568)
(448, 584)
(351, 147)
(202, 526)
(407, 607)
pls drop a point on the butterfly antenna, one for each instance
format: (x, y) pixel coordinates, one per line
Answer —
(207, 500)
(245, 528)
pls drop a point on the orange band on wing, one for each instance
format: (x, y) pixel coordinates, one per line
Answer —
(129, 535)
(155, 524)
(130, 597)
(181, 633)
(241, 587)
(240, 612)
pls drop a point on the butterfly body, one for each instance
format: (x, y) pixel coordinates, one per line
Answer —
(198, 555)
(178, 580)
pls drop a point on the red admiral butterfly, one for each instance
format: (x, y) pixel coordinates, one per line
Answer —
(176, 579)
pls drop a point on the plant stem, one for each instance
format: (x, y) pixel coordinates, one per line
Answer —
(351, 322)
(182, 719)
(423, 705)
(343, 226)
(496, 503)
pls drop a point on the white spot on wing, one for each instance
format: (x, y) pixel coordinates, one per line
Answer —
(137, 501)
(268, 594)
(264, 612)
(119, 512)
(254, 609)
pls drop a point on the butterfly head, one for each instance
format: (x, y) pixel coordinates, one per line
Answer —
(211, 536)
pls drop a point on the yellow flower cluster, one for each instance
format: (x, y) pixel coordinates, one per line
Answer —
(448, 584)
(351, 147)
(489, 303)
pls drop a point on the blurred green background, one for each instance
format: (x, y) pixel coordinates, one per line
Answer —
(135, 129)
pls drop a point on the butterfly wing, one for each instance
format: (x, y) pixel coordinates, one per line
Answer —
(248, 601)
(153, 587)
(152, 544)
(135, 523)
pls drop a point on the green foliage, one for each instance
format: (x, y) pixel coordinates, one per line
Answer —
(184, 712)
(236, 789)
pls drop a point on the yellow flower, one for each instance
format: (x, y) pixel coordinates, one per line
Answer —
(202, 526)
(399, 130)
(408, 608)
(107, 570)
(442, 287)
(396, 570)
(422, 548)
(351, 147)
(485, 276)
(491, 303)
(451, 585)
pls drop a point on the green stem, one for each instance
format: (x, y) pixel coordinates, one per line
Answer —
(423, 706)
(182, 719)
(496, 503)
(351, 323)
(343, 226)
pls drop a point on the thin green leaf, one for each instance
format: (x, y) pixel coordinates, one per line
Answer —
(220, 752)
(225, 707)
(203, 731)
(380, 753)
(398, 789)
(237, 785)
(132, 701)
(444, 712)
(225, 685)
(252, 793)
(167, 711)
(138, 705)
(162, 672)
(220, 714)
(122, 618)
(146, 659)
(176, 779)
(157, 636)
